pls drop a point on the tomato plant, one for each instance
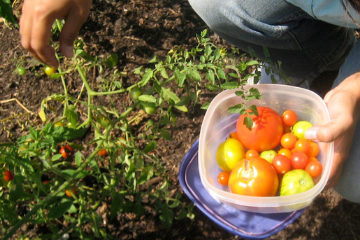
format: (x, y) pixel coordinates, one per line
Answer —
(66, 151)
(314, 168)
(295, 181)
(102, 153)
(266, 131)
(254, 177)
(299, 160)
(289, 118)
(288, 140)
(300, 128)
(281, 164)
(229, 153)
(223, 178)
(49, 70)
(8, 175)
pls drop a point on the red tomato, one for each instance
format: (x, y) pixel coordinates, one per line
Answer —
(281, 164)
(66, 151)
(302, 145)
(251, 153)
(223, 178)
(254, 177)
(8, 176)
(314, 168)
(266, 131)
(288, 140)
(299, 160)
(289, 118)
(233, 135)
(102, 153)
(313, 149)
(71, 191)
(286, 152)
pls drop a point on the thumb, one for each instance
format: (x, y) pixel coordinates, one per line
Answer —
(328, 132)
(69, 33)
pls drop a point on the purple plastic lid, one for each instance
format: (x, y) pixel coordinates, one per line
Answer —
(245, 224)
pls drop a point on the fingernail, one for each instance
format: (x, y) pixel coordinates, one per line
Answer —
(311, 134)
(68, 51)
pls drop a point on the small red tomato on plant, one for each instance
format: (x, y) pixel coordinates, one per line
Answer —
(71, 191)
(254, 177)
(223, 178)
(8, 175)
(102, 153)
(266, 131)
(66, 151)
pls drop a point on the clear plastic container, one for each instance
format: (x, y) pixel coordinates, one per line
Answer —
(218, 123)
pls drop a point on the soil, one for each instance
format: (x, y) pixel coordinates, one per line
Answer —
(137, 30)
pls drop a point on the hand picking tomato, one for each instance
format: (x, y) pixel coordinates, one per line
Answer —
(295, 181)
(223, 178)
(229, 153)
(66, 151)
(254, 177)
(265, 133)
(8, 175)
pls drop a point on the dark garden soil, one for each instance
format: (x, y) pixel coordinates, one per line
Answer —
(137, 30)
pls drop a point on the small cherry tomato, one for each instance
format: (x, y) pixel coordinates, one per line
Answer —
(251, 153)
(223, 178)
(288, 140)
(135, 93)
(8, 175)
(314, 168)
(72, 191)
(281, 164)
(229, 153)
(313, 149)
(300, 128)
(66, 151)
(149, 108)
(299, 160)
(46, 182)
(21, 71)
(302, 145)
(102, 153)
(233, 135)
(286, 152)
(49, 70)
(289, 118)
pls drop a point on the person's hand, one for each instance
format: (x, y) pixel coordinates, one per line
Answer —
(344, 107)
(37, 19)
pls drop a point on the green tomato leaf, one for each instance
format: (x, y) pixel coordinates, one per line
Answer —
(147, 98)
(248, 122)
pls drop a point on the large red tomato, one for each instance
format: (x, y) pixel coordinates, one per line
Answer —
(266, 131)
(254, 177)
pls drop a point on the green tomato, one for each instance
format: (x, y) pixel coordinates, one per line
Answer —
(49, 70)
(70, 125)
(150, 108)
(300, 128)
(295, 181)
(229, 154)
(268, 155)
(135, 93)
(21, 71)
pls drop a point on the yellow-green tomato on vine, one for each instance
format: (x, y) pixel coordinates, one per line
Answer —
(49, 70)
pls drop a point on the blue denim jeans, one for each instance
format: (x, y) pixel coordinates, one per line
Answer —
(306, 47)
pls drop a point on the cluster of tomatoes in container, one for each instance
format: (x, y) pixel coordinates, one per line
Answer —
(270, 158)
